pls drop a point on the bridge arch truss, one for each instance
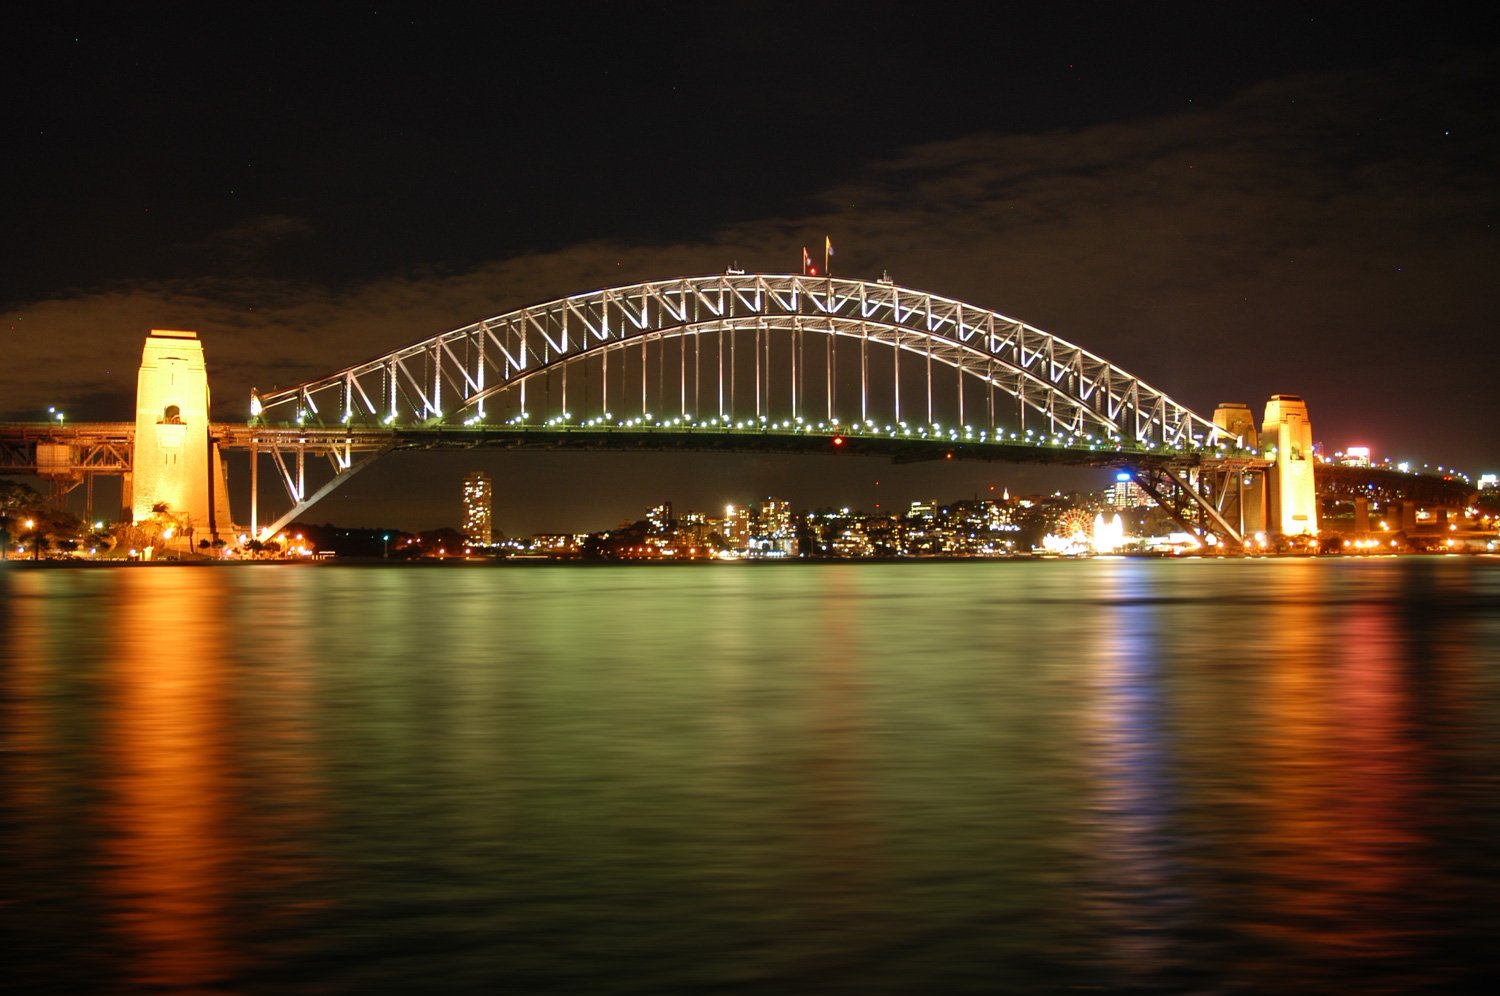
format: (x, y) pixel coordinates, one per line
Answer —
(753, 347)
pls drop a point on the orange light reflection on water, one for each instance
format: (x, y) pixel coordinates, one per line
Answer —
(1336, 856)
(840, 858)
(172, 854)
(31, 771)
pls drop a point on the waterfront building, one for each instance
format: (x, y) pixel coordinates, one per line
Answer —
(557, 544)
(851, 538)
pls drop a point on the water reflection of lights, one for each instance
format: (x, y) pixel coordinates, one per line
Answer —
(1335, 858)
(173, 850)
(1141, 893)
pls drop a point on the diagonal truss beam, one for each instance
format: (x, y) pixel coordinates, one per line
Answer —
(295, 487)
(1180, 496)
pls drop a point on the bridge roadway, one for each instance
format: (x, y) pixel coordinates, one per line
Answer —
(104, 447)
(71, 455)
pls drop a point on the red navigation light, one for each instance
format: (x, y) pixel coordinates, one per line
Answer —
(812, 271)
(838, 440)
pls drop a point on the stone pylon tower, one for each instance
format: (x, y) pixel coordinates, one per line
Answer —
(174, 462)
(1291, 492)
(1238, 420)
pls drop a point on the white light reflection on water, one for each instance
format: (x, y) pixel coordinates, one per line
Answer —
(1138, 892)
(851, 778)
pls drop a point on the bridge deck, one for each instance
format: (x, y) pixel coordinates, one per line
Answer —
(104, 448)
(908, 445)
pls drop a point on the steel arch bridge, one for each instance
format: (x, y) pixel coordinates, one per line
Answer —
(753, 361)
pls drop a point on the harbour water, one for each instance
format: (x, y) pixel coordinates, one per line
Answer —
(1114, 775)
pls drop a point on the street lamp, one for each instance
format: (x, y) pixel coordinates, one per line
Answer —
(36, 539)
(386, 550)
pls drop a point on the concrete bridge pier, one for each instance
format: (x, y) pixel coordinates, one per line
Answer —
(1408, 517)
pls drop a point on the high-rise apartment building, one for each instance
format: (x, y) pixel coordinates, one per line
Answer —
(478, 505)
(659, 518)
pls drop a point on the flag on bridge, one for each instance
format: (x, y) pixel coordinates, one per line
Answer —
(806, 261)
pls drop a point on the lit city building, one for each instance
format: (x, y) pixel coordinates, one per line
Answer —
(775, 517)
(775, 534)
(1126, 493)
(852, 540)
(736, 528)
(918, 537)
(659, 518)
(557, 544)
(478, 509)
(693, 530)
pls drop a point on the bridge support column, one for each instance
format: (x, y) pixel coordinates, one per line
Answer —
(1361, 516)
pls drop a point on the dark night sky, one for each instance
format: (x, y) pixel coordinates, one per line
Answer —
(1226, 200)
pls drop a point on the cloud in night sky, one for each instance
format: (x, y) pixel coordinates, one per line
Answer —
(1330, 235)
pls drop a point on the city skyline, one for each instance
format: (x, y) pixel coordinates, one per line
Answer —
(1120, 518)
(1229, 204)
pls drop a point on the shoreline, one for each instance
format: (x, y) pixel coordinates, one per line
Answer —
(456, 562)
